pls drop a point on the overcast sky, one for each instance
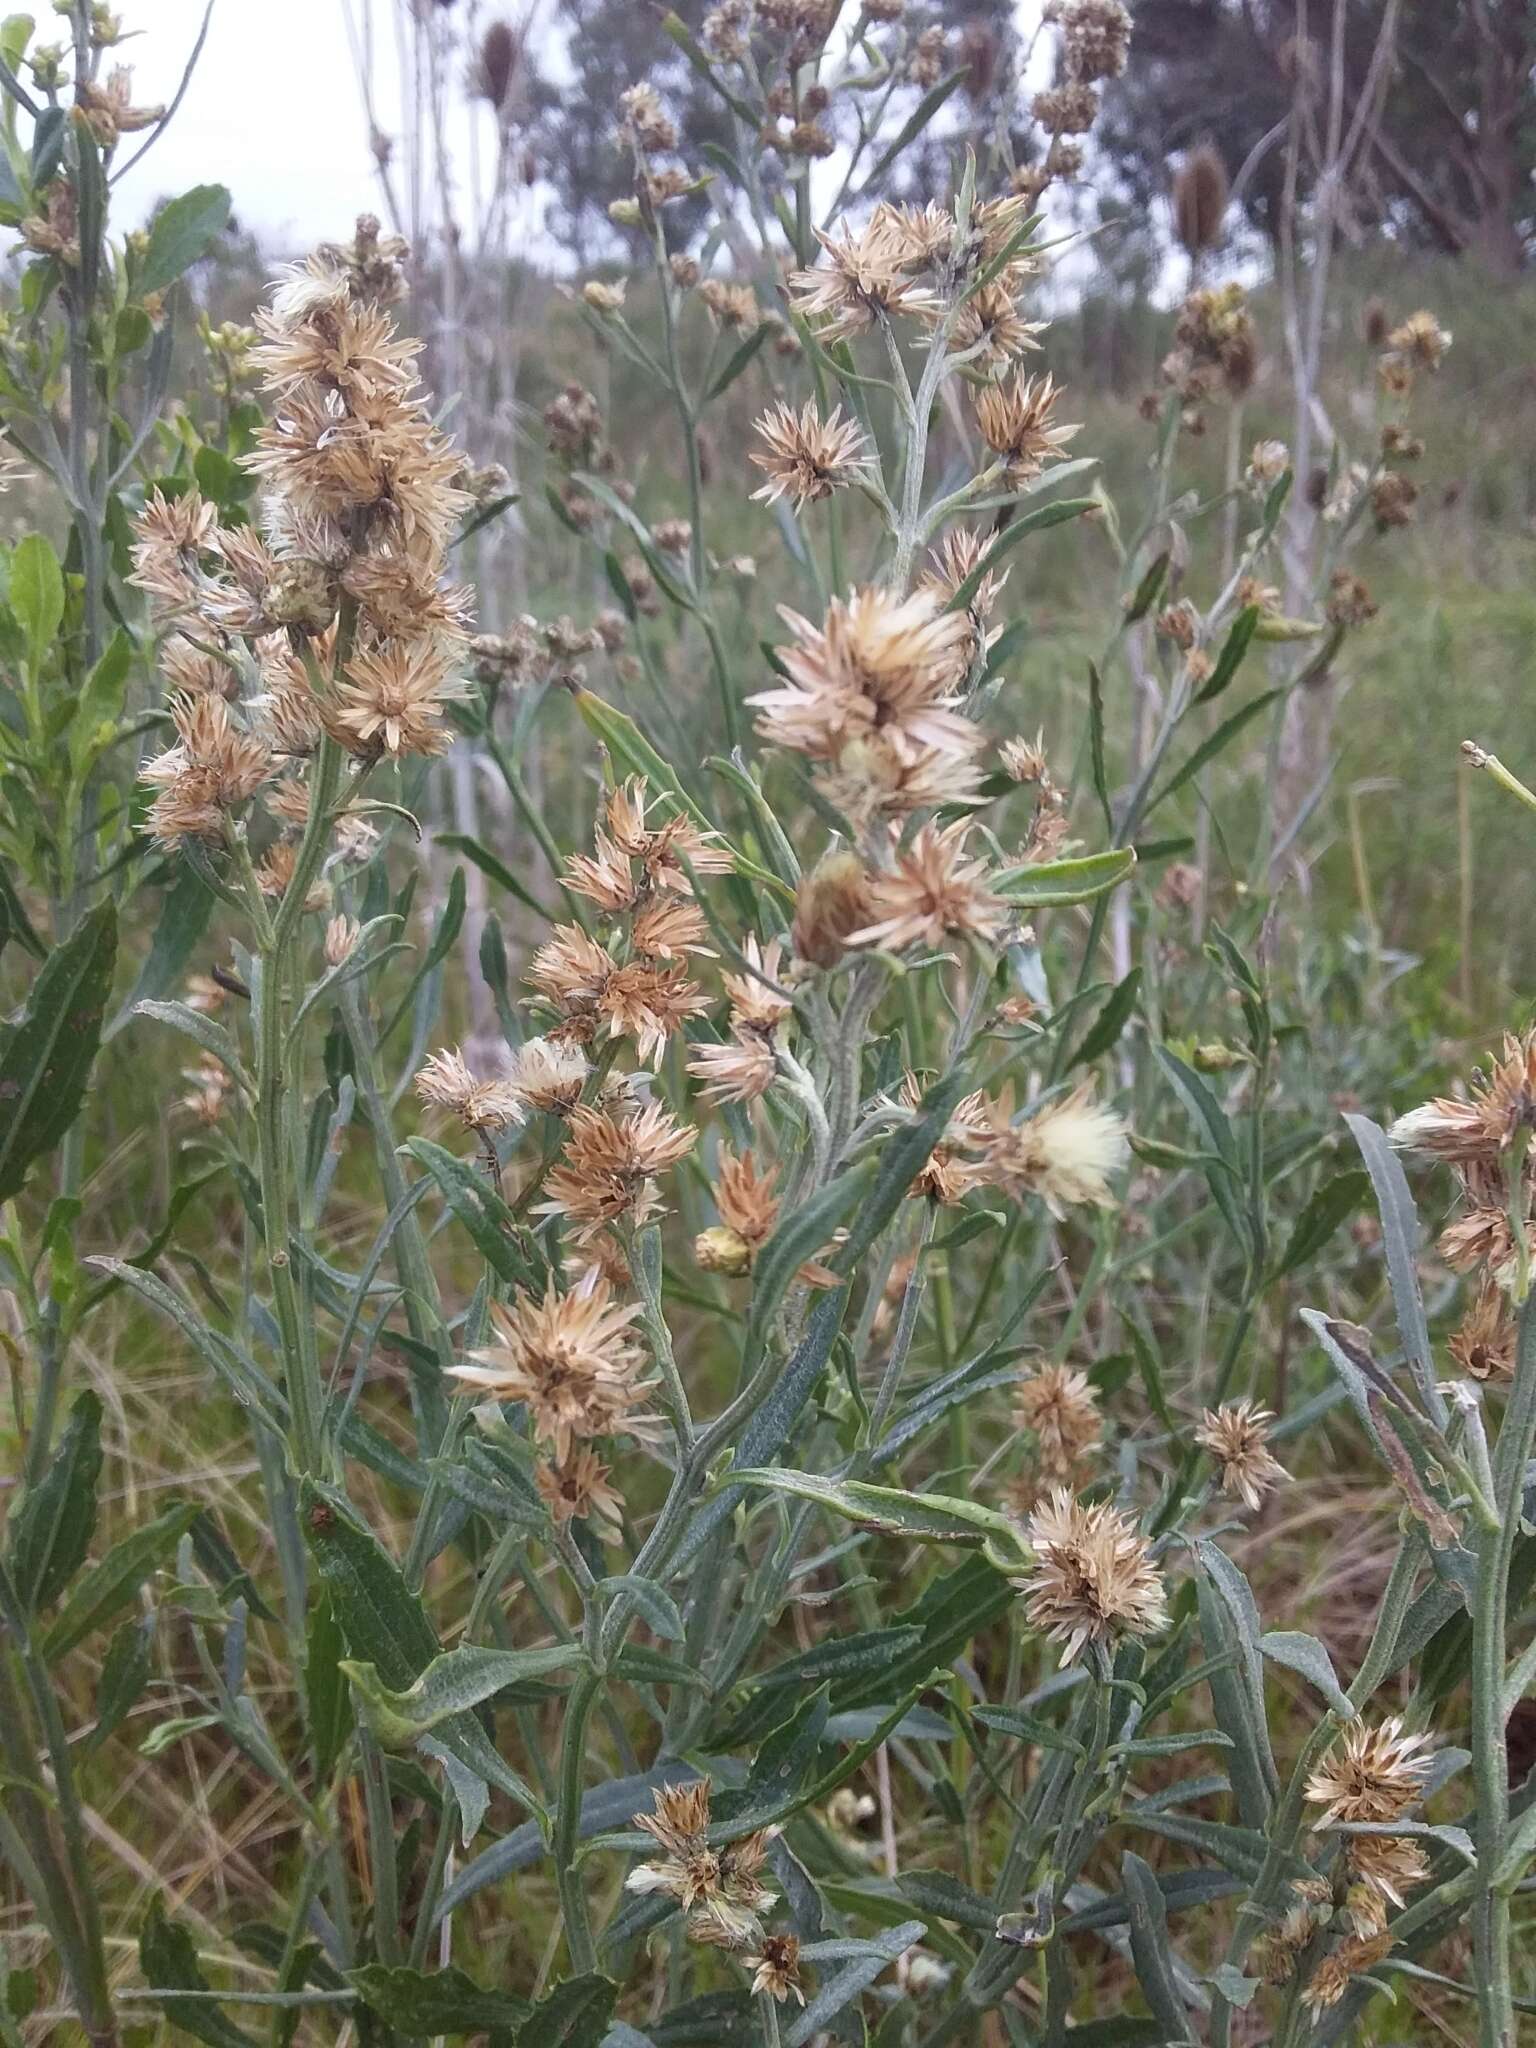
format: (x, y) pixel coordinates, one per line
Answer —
(273, 111)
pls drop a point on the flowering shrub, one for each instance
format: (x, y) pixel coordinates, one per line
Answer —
(772, 1364)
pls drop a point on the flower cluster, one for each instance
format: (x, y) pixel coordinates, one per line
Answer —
(1374, 1777)
(333, 617)
(1475, 1137)
(633, 983)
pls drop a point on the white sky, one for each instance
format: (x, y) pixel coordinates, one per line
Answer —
(273, 112)
(275, 109)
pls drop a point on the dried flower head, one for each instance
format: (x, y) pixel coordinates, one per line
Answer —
(864, 279)
(776, 1968)
(721, 1889)
(569, 1359)
(1386, 1869)
(549, 1074)
(1501, 1101)
(1093, 1579)
(1017, 422)
(758, 1000)
(1335, 1973)
(1237, 1435)
(1064, 1153)
(740, 1068)
(1420, 341)
(1373, 1774)
(447, 1083)
(805, 456)
(1484, 1342)
(215, 766)
(880, 665)
(1061, 1410)
(578, 1489)
(831, 903)
(608, 1169)
(933, 891)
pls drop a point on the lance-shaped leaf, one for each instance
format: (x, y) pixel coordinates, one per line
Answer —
(450, 1685)
(1150, 1948)
(868, 1960)
(1041, 885)
(931, 1517)
(574, 2015)
(51, 1531)
(110, 1584)
(47, 1058)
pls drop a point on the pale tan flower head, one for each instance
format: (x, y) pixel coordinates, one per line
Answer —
(745, 1198)
(756, 1004)
(880, 665)
(579, 1489)
(1386, 1869)
(1237, 1435)
(214, 766)
(1500, 1101)
(806, 457)
(934, 891)
(740, 1068)
(1337, 1971)
(1483, 1345)
(776, 1968)
(1093, 1579)
(1372, 1774)
(608, 1169)
(1061, 1409)
(391, 700)
(1017, 422)
(1420, 341)
(569, 1360)
(549, 1074)
(1065, 1153)
(447, 1083)
(720, 1888)
(863, 279)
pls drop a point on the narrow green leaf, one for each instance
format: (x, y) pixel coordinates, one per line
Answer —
(1400, 1235)
(1150, 1948)
(1230, 659)
(488, 864)
(840, 1988)
(498, 1237)
(326, 1692)
(450, 1685)
(50, 1532)
(15, 921)
(110, 1584)
(1329, 1206)
(168, 1958)
(1103, 1034)
(179, 925)
(47, 1058)
(1043, 884)
(1304, 1653)
(1210, 748)
(930, 1516)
